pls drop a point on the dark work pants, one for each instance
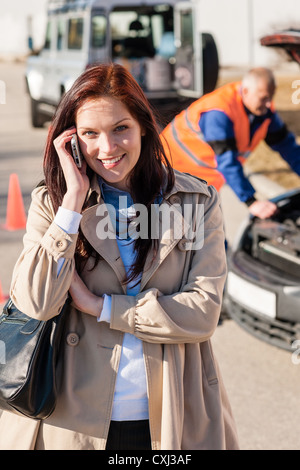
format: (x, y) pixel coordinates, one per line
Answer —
(129, 435)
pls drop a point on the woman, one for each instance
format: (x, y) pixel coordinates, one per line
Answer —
(138, 368)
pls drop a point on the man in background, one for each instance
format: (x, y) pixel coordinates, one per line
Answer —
(214, 135)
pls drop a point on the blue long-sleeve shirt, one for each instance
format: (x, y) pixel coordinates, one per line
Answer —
(217, 127)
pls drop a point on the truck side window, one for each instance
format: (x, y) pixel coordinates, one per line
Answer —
(98, 31)
(75, 33)
(186, 20)
(60, 35)
(47, 44)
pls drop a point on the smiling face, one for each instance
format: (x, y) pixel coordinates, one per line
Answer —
(110, 139)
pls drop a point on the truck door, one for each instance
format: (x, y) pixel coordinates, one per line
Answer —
(188, 66)
(46, 60)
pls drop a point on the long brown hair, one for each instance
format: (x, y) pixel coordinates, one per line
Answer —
(152, 173)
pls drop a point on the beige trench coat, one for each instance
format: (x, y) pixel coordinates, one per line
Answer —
(174, 315)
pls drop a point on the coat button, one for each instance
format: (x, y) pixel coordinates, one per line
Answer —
(72, 339)
(184, 244)
(175, 199)
(61, 244)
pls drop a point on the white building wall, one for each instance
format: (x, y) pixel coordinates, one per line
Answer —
(17, 17)
(237, 26)
(270, 16)
(227, 21)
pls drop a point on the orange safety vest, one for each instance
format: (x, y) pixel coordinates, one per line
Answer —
(183, 140)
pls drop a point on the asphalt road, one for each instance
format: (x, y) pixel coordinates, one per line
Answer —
(261, 380)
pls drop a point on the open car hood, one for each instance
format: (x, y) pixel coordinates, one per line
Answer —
(288, 40)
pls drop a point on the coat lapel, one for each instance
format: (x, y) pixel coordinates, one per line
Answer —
(93, 224)
(169, 227)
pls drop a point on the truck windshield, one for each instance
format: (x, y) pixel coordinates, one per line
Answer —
(142, 32)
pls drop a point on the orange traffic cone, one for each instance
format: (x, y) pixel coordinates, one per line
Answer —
(3, 297)
(15, 215)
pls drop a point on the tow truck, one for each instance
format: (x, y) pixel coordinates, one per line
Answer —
(160, 42)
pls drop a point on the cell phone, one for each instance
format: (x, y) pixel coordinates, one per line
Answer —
(76, 151)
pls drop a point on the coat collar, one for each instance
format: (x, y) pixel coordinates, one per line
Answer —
(184, 183)
(187, 183)
(95, 217)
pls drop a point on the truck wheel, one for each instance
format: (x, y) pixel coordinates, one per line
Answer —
(37, 119)
(210, 63)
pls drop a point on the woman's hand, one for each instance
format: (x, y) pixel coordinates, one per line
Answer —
(83, 298)
(76, 178)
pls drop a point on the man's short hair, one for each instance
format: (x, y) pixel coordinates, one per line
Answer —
(252, 77)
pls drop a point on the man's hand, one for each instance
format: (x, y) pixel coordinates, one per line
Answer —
(263, 209)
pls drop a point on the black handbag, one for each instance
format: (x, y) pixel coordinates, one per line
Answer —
(29, 351)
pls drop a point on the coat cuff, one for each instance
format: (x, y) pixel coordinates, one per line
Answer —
(58, 243)
(123, 310)
(68, 220)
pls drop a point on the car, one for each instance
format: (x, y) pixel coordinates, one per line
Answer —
(287, 40)
(263, 286)
(262, 292)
